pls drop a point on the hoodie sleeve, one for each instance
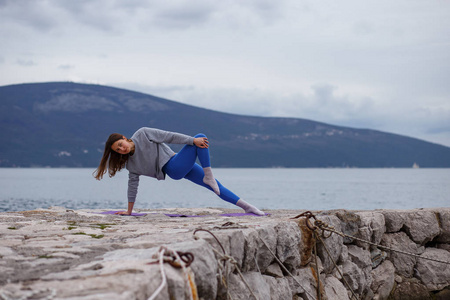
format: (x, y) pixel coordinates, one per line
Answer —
(168, 137)
(133, 184)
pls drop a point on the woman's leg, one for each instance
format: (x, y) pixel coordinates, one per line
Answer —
(196, 176)
(181, 164)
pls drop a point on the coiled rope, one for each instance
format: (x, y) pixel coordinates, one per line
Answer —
(176, 259)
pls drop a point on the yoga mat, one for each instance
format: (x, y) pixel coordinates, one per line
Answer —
(241, 215)
(222, 215)
(112, 212)
(184, 216)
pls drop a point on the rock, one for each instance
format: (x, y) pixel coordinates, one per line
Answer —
(81, 255)
(383, 280)
(255, 280)
(359, 256)
(355, 277)
(334, 243)
(350, 224)
(442, 295)
(334, 289)
(6, 251)
(337, 272)
(177, 284)
(274, 270)
(394, 220)
(251, 241)
(371, 228)
(288, 240)
(279, 288)
(237, 241)
(344, 255)
(444, 218)
(443, 246)
(377, 256)
(422, 226)
(410, 290)
(303, 284)
(267, 239)
(204, 266)
(319, 264)
(404, 264)
(434, 275)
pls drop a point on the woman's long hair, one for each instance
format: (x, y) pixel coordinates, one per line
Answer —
(111, 162)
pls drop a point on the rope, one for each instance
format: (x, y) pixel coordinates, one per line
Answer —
(325, 227)
(163, 275)
(335, 265)
(285, 269)
(224, 258)
(319, 296)
(177, 260)
(185, 272)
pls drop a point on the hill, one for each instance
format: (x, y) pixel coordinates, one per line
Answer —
(64, 124)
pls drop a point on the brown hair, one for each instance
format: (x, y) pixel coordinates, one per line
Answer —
(111, 162)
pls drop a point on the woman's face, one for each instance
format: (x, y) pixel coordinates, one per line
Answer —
(122, 146)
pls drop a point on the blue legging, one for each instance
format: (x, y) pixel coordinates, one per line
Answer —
(183, 165)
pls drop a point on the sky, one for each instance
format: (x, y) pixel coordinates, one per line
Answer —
(381, 65)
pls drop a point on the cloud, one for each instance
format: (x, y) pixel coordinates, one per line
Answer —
(28, 13)
(65, 67)
(117, 16)
(26, 63)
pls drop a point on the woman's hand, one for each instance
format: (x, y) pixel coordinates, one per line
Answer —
(128, 212)
(123, 213)
(201, 142)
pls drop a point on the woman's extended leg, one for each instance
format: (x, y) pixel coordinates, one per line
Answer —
(196, 174)
(183, 161)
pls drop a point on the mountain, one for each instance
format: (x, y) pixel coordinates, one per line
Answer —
(65, 124)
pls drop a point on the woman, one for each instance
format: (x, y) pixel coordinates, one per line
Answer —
(147, 154)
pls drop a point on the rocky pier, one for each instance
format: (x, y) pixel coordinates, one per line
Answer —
(205, 253)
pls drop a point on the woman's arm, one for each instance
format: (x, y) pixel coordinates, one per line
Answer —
(168, 137)
(133, 183)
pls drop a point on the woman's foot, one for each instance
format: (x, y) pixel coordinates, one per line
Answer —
(248, 208)
(210, 180)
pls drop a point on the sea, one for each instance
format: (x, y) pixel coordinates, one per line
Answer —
(277, 188)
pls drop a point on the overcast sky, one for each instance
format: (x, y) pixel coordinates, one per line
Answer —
(380, 64)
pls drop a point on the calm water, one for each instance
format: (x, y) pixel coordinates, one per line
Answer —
(315, 189)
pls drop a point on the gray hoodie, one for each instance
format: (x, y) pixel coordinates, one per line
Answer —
(150, 155)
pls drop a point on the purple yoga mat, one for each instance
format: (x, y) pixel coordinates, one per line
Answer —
(112, 212)
(184, 216)
(240, 215)
(222, 215)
